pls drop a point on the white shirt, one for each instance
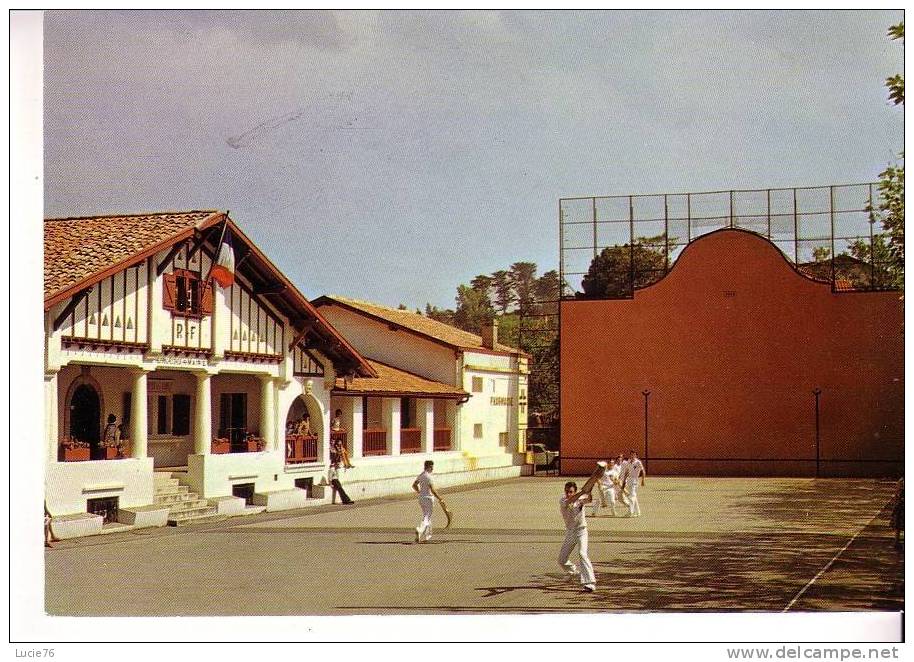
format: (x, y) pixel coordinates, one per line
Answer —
(634, 469)
(573, 513)
(607, 479)
(425, 485)
(623, 470)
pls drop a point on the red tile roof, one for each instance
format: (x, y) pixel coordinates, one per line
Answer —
(444, 333)
(76, 249)
(395, 382)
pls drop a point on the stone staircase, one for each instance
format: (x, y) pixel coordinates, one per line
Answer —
(184, 506)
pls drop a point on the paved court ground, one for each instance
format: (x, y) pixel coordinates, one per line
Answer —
(702, 545)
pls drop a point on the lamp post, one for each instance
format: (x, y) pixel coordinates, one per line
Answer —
(817, 392)
(647, 395)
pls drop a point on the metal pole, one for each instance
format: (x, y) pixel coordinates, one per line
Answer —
(796, 232)
(816, 392)
(688, 218)
(666, 235)
(831, 200)
(769, 214)
(731, 209)
(872, 254)
(593, 202)
(631, 243)
(646, 394)
(561, 251)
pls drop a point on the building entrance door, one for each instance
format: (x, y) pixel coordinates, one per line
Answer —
(85, 418)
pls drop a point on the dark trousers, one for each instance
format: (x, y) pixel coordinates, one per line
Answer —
(335, 484)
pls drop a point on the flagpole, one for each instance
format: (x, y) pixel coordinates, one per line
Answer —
(218, 246)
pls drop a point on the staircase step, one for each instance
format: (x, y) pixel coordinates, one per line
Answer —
(172, 499)
(171, 489)
(184, 506)
(181, 520)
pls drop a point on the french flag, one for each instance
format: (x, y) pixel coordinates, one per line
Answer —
(223, 271)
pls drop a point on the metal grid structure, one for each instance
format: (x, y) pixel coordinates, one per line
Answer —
(828, 232)
(538, 334)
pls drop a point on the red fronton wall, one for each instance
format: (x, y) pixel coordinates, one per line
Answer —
(731, 344)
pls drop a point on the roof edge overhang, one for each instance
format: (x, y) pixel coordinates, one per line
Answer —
(92, 280)
(401, 394)
(328, 300)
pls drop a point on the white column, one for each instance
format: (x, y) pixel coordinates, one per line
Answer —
(203, 415)
(156, 316)
(139, 430)
(425, 419)
(355, 421)
(390, 414)
(451, 421)
(267, 420)
(51, 415)
(220, 321)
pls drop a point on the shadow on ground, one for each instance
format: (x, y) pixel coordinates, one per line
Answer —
(754, 569)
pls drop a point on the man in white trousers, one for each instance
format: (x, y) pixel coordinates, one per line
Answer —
(427, 495)
(633, 468)
(572, 509)
(609, 489)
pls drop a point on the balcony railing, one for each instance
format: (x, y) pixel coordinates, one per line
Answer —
(410, 440)
(301, 448)
(374, 441)
(442, 439)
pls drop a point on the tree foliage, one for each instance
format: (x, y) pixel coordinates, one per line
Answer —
(473, 309)
(619, 270)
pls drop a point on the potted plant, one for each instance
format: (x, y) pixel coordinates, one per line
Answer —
(74, 450)
(220, 446)
(254, 444)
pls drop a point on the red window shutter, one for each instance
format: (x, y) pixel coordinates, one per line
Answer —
(206, 298)
(169, 292)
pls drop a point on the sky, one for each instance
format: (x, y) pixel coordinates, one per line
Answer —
(391, 156)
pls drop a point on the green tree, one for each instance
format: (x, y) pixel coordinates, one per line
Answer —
(896, 83)
(547, 291)
(439, 315)
(473, 309)
(890, 211)
(523, 281)
(610, 273)
(504, 293)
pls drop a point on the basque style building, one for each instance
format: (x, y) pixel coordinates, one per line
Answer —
(172, 395)
(484, 429)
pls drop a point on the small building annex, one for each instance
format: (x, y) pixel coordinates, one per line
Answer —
(485, 432)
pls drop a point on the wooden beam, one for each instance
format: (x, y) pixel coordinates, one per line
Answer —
(301, 335)
(163, 265)
(70, 307)
(199, 239)
(271, 288)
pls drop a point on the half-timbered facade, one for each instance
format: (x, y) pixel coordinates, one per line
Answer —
(198, 380)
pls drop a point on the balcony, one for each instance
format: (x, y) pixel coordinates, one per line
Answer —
(442, 439)
(374, 441)
(301, 448)
(410, 440)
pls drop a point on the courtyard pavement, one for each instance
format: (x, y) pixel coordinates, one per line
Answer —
(702, 544)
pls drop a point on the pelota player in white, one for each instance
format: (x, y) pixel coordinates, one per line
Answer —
(610, 489)
(572, 508)
(630, 473)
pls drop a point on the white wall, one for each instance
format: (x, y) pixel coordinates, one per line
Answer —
(401, 349)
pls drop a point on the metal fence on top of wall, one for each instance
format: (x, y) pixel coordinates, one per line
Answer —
(828, 232)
